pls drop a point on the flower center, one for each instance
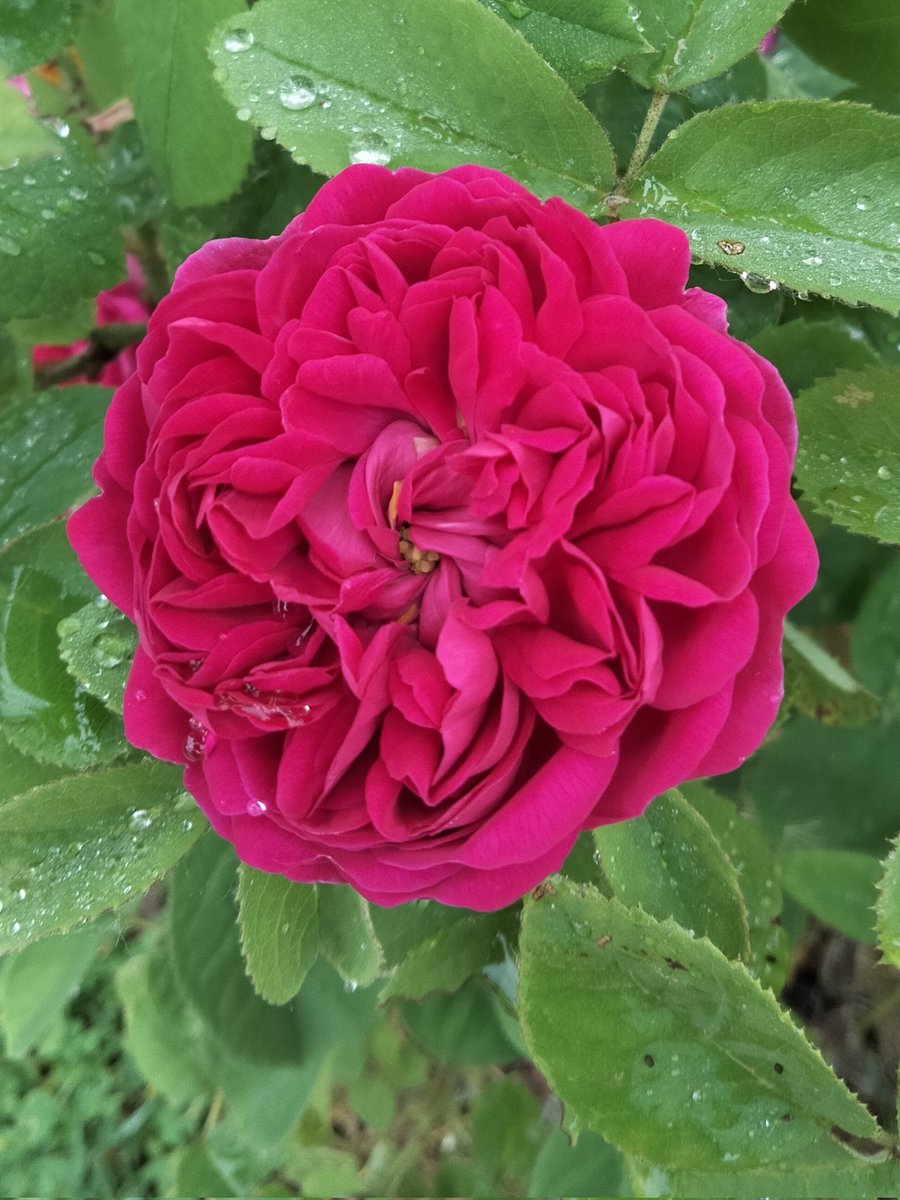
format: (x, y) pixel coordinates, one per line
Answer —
(422, 562)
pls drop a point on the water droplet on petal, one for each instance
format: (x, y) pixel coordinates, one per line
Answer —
(256, 808)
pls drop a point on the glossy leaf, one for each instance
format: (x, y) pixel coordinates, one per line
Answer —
(324, 78)
(818, 686)
(796, 192)
(848, 464)
(97, 644)
(696, 39)
(279, 932)
(74, 847)
(195, 142)
(40, 981)
(59, 237)
(45, 713)
(655, 861)
(581, 41)
(631, 1044)
(875, 640)
(32, 33)
(48, 444)
(860, 41)
(206, 954)
(888, 907)
(346, 935)
(837, 886)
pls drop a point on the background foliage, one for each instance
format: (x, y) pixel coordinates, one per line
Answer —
(635, 1026)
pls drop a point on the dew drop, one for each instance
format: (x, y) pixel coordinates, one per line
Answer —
(863, 203)
(236, 40)
(97, 259)
(883, 472)
(29, 180)
(243, 114)
(140, 819)
(297, 92)
(78, 193)
(696, 1095)
(372, 149)
(256, 808)
(757, 283)
(21, 893)
(8, 246)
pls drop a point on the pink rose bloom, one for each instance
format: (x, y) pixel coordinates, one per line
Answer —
(124, 304)
(452, 526)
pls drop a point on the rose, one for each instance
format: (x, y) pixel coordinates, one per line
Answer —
(452, 525)
(125, 303)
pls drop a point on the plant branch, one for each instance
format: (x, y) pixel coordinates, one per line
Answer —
(104, 343)
(642, 145)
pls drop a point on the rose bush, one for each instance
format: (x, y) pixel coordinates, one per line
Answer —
(125, 303)
(452, 525)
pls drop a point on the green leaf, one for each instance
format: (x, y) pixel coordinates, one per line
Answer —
(875, 640)
(505, 1119)
(469, 1028)
(279, 932)
(860, 41)
(195, 142)
(444, 962)
(817, 685)
(163, 1033)
(581, 41)
(32, 33)
(40, 981)
(45, 712)
(751, 858)
(22, 136)
(848, 463)
(633, 1046)
(590, 1167)
(206, 954)
(48, 443)
(97, 644)
(655, 862)
(698, 40)
(198, 1174)
(405, 926)
(852, 1179)
(85, 843)
(805, 187)
(888, 907)
(324, 78)
(59, 236)
(346, 935)
(804, 351)
(837, 886)
(374, 1101)
(102, 62)
(798, 786)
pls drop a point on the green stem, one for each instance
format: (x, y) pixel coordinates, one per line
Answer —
(104, 343)
(642, 145)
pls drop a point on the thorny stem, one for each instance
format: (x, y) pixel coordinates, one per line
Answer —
(104, 343)
(642, 145)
